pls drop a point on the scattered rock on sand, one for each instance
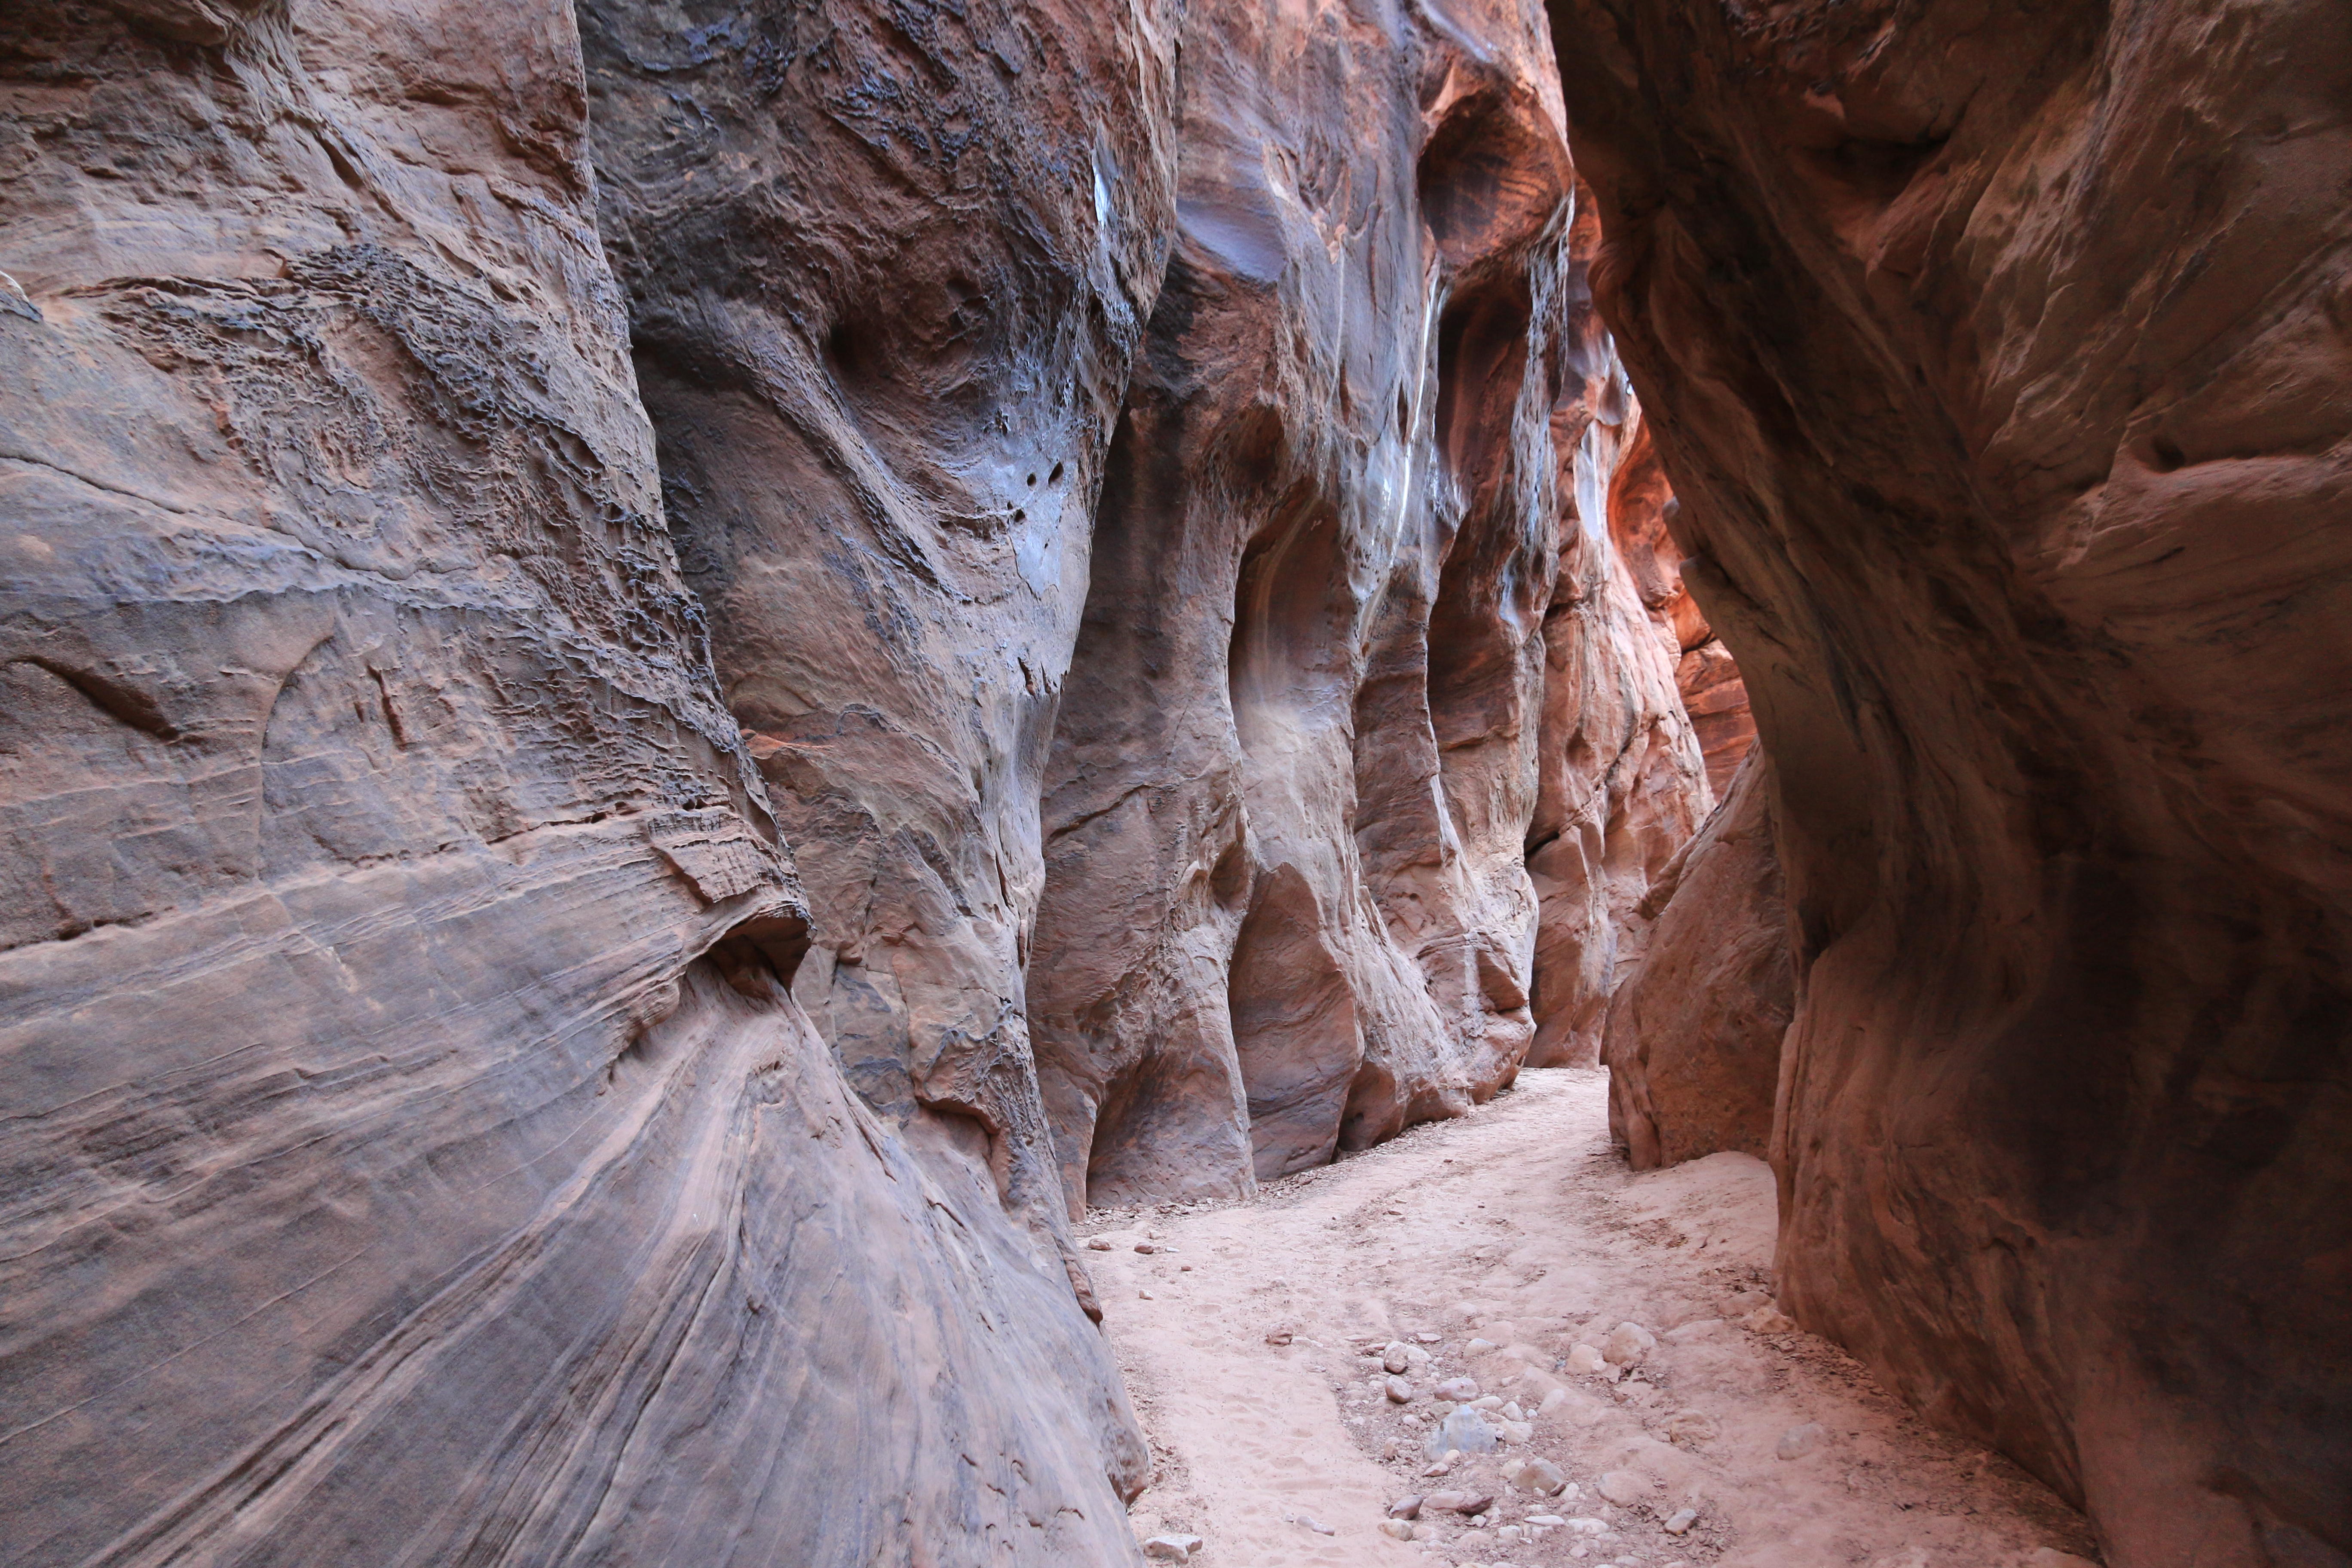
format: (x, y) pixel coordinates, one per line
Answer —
(1101, 1243)
(1457, 1502)
(1396, 1529)
(1681, 1520)
(1317, 1525)
(1172, 1548)
(1769, 1320)
(1406, 1507)
(1625, 1487)
(1399, 1391)
(1798, 1441)
(1584, 1357)
(1146, 1248)
(1628, 1345)
(1460, 1389)
(1396, 1358)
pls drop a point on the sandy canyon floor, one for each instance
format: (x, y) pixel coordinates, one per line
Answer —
(1254, 1336)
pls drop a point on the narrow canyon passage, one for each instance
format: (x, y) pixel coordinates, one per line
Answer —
(1252, 1336)
(700, 700)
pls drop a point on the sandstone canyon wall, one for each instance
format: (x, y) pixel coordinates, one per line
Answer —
(412, 1154)
(2005, 358)
(885, 287)
(1286, 910)
(1623, 777)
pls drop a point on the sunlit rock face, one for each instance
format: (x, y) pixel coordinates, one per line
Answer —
(412, 1152)
(1286, 908)
(1998, 359)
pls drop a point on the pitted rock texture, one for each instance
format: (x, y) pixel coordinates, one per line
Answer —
(2006, 354)
(1286, 908)
(1694, 1034)
(411, 1153)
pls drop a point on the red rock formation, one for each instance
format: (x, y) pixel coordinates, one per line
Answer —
(1641, 507)
(1715, 697)
(1285, 909)
(1622, 780)
(1695, 1031)
(2001, 356)
(411, 1153)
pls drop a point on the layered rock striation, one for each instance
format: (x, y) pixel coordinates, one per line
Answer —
(2003, 356)
(413, 1153)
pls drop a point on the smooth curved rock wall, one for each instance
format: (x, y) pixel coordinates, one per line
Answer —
(2000, 362)
(411, 1153)
(1285, 909)
(1693, 1042)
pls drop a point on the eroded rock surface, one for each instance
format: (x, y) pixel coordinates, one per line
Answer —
(2006, 354)
(1693, 1033)
(1286, 908)
(885, 281)
(411, 1153)
(1623, 777)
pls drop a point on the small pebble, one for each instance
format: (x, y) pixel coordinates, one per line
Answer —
(1396, 1529)
(1143, 1295)
(1101, 1243)
(1459, 1389)
(1681, 1521)
(1172, 1548)
(1396, 1357)
(1406, 1507)
(1538, 1475)
(1399, 1391)
(1627, 1344)
(1584, 1357)
(1317, 1525)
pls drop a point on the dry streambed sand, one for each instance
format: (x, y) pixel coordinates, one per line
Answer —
(1493, 1247)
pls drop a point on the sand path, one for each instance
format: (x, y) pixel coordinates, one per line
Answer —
(1508, 1237)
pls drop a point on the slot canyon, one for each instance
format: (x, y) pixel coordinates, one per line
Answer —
(841, 782)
